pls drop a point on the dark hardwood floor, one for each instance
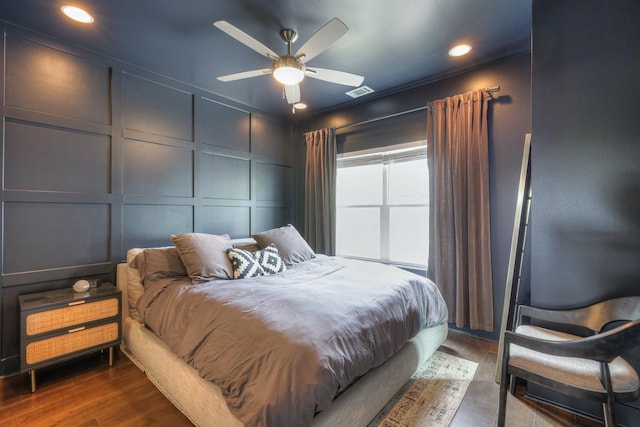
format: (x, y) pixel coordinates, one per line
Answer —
(86, 392)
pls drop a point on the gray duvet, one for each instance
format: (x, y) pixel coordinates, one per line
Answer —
(282, 347)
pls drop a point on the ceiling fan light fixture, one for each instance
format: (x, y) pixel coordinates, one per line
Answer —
(288, 75)
(288, 71)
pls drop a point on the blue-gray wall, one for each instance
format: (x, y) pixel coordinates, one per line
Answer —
(99, 157)
(586, 156)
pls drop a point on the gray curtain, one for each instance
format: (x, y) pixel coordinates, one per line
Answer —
(461, 239)
(320, 191)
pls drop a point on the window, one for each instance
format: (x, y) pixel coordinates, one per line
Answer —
(382, 201)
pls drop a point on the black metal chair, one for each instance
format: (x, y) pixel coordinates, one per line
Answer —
(586, 365)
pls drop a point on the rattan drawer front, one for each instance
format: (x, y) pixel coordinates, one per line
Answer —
(50, 348)
(75, 314)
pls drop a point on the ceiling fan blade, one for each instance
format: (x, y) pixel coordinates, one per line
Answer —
(322, 39)
(334, 76)
(246, 39)
(292, 92)
(244, 75)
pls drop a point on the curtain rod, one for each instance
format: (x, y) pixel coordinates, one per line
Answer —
(490, 90)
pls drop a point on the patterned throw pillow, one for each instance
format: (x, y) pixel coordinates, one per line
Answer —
(244, 264)
(270, 260)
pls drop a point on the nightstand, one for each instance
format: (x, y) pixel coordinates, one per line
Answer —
(62, 324)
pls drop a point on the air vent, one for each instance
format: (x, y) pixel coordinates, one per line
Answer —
(360, 91)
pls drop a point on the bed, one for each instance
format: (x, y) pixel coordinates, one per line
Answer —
(354, 397)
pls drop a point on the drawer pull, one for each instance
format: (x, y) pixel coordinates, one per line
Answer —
(81, 328)
(76, 303)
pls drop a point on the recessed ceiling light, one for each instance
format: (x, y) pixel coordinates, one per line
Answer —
(77, 14)
(299, 105)
(459, 50)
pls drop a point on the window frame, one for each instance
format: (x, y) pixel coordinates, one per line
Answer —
(386, 156)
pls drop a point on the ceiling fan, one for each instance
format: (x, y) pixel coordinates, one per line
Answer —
(290, 69)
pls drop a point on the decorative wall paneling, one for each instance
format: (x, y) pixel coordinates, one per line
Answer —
(100, 157)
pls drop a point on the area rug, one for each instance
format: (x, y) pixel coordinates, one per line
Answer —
(432, 395)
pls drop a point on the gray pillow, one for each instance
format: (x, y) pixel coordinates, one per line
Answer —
(291, 246)
(160, 263)
(251, 247)
(204, 255)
